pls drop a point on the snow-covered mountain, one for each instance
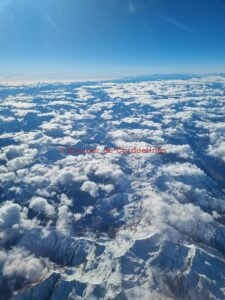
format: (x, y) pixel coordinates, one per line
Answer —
(87, 212)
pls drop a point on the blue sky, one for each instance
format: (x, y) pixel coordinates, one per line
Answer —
(85, 38)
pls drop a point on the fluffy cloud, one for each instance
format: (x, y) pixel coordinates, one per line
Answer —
(41, 205)
(13, 222)
(218, 150)
(21, 264)
(90, 187)
(182, 169)
(177, 196)
(64, 219)
(10, 215)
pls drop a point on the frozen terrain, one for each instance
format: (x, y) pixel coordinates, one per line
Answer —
(113, 225)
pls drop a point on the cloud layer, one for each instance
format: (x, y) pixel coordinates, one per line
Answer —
(110, 224)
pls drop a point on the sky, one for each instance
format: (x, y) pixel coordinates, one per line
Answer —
(106, 38)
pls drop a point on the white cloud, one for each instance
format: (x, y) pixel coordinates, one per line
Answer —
(41, 205)
(164, 195)
(10, 214)
(217, 150)
(64, 220)
(87, 211)
(182, 169)
(20, 264)
(64, 200)
(90, 187)
(13, 221)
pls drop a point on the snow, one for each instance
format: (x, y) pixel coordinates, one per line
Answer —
(100, 225)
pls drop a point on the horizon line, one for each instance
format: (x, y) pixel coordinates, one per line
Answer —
(15, 80)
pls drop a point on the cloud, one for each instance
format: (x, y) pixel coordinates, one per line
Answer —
(179, 169)
(10, 215)
(90, 187)
(19, 263)
(13, 222)
(132, 197)
(64, 220)
(144, 293)
(131, 7)
(52, 22)
(19, 156)
(177, 24)
(87, 211)
(64, 200)
(41, 205)
(218, 150)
